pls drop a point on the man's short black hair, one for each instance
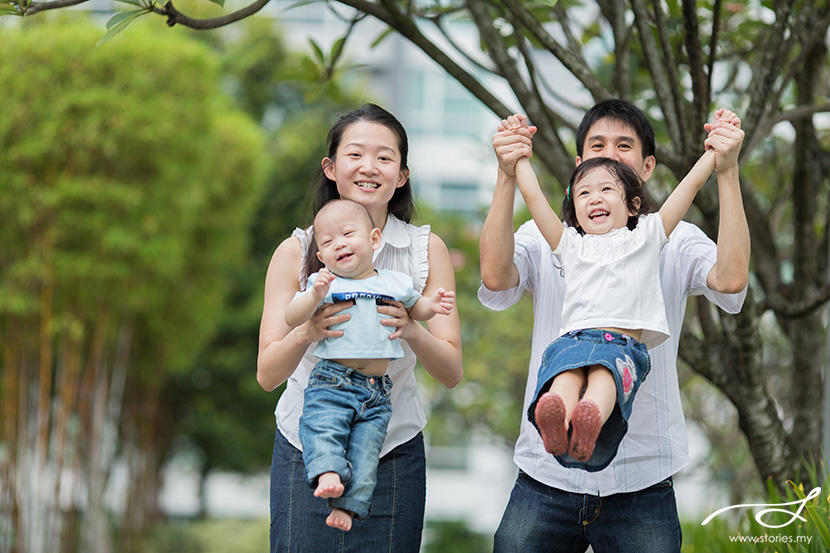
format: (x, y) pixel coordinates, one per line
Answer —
(623, 112)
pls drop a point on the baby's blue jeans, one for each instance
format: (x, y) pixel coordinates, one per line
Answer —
(342, 429)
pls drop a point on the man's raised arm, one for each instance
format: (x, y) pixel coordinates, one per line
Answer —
(496, 245)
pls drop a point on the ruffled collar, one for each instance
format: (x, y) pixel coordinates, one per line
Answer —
(395, 234)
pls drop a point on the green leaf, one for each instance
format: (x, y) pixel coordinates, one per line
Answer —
(336, 48)
(301, 3)
(132, 2)
(123, 16)
(815, 514)
(8, 8)
(118, 23)
(220, 3)
(382, 36)
(318, 52)
(549, 3)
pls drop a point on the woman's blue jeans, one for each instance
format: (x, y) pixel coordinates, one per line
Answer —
(539, 519)
(298, 519)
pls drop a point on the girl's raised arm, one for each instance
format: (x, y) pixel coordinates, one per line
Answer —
(546, 219)
(678, 203)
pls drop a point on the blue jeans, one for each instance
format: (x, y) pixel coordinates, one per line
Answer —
(342, 429)
(298, 519)
(539, 518)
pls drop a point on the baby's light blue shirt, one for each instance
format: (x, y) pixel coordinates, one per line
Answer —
(364, 337)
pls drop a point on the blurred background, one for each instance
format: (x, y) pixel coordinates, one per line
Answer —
(145, 183)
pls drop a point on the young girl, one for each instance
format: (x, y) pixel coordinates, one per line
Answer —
(613, 310)
(347, 408)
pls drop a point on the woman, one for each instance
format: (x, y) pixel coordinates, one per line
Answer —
(366, 163)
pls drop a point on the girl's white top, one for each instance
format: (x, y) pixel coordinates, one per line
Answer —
(404, 248)
(613, 279)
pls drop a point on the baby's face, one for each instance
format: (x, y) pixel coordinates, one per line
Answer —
(345, 243)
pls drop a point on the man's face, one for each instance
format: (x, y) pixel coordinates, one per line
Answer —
(618, 141)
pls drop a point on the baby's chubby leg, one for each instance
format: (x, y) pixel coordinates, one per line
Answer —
(329, 485)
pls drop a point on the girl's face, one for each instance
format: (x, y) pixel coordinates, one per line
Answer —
(367, 167)
(599, 202)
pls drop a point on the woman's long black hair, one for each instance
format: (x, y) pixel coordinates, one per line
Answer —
(402, 204)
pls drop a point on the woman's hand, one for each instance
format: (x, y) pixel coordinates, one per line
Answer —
(319, 326)
(400, 319)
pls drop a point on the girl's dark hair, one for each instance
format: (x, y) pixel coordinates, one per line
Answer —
(632, 185)
(402, 204)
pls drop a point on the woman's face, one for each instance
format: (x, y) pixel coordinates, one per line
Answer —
(367, 167)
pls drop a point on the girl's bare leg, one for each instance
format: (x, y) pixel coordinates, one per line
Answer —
(602, 390)
(338, 518)
(329, 485)
(592, 411)
(554, 408)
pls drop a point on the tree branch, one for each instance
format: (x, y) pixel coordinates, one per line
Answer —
(564, 22)
(655, 66)
(437, 22)
(713, 43)
(670, 64)
(614, 12)
(734, 367)
(403, 25)
(785, 308)
(174, 16)
(571, 61)
(814, 36)
(700, 80)
(32, 8)
(553, 151)
(764, 82)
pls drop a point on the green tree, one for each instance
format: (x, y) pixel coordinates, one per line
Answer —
(128, 180)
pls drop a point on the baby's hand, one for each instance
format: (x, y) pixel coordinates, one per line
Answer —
(442, 302)
(322, 284)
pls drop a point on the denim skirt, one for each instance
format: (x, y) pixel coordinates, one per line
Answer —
(626, 358)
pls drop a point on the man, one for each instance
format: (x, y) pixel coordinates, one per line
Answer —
(630, 505)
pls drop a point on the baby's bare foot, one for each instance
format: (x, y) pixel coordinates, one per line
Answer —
(338, 518)
(329, 485)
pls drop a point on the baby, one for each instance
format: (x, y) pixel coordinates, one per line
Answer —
(347, 407)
